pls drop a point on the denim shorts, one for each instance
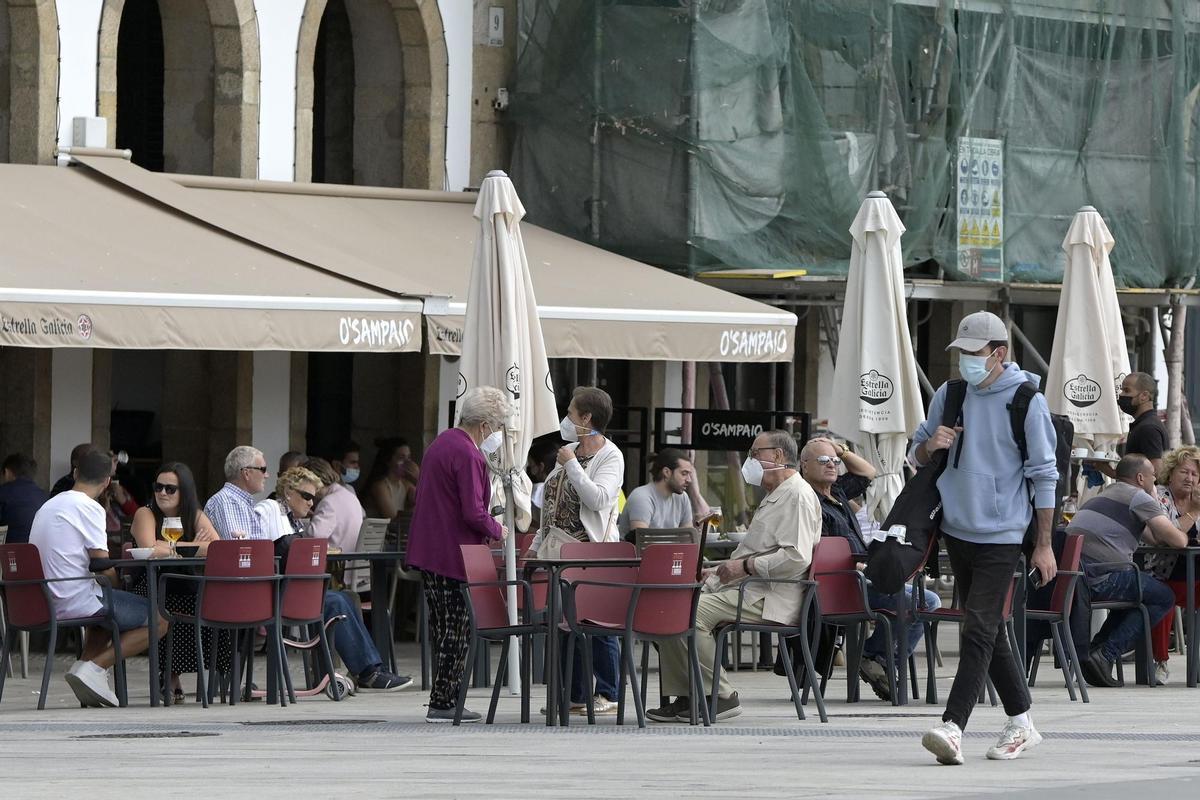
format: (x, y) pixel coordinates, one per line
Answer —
(130, 610)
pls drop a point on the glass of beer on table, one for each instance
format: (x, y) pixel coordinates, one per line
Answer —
(172, 531)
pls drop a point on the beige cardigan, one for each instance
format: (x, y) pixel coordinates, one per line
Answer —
(598, 487)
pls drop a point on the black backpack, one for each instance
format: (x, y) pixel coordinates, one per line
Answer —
(1064, 432)
(918, 511)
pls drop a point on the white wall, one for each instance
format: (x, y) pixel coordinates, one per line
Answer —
(78, 34)
(271, 407)
(70, 405)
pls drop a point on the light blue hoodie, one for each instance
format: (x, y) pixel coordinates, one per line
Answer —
(985, 499)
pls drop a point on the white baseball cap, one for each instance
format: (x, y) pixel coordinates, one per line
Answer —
(977, 330)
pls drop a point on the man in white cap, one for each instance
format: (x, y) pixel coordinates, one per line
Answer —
(985, 513)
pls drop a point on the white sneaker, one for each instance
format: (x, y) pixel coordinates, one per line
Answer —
(89, 682)
(1014, 740)
(1161, 673)
(945, 742)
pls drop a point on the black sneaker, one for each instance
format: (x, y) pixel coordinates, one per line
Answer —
(1097, 670)
(728, 707)
(875, 675)
(381, 680)
(670, 712)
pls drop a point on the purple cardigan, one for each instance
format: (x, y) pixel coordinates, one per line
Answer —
(451, 508)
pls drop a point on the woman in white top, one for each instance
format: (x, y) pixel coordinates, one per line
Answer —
(580, 497)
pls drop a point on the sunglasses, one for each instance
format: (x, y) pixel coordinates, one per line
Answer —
(263, 470)
(309, 496)
(823, 460)
(169, 489)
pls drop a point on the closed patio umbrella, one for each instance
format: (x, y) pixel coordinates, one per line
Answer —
(1089, 359)
(876, 397)
(503, 347)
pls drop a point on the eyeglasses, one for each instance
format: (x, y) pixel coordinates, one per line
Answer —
(309, 496)
(823, 460)
(169, 489)
(754, 450)
(263, 470)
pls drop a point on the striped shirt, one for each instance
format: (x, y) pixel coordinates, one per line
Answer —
(232, 509)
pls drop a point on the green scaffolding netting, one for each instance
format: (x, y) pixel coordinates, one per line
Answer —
(710, 134)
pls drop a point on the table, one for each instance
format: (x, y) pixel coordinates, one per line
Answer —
(553, 568)
(153, 566)
(381, 562)
(1190, 617)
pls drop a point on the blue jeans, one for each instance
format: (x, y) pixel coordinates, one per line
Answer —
(350, 637)
(874, 646)
(1122, 628)
(132, 611)
(606, 665)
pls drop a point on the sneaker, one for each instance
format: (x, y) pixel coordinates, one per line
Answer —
(875, 675)
(380, 680)
(447, 715)
(1161, 673)
(576, 708)
(671, 712)
(727, 708)
(1098, 670)
(945, 742)
(89, 682)
(600, 705)
(1014, 740)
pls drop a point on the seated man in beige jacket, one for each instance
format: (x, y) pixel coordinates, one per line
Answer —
(779, 544)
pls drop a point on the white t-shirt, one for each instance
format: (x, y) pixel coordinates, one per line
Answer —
(64, 529)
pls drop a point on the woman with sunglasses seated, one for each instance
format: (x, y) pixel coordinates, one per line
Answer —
(175, 496)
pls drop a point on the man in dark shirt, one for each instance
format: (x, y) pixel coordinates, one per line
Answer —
(1147, 435)
(20, 497)
(820, 461)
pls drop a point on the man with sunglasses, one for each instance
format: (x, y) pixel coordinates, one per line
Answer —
(231, 509)
(820, 464)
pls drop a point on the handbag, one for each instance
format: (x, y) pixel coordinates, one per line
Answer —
(553, 538)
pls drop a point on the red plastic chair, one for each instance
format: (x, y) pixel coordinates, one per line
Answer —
(1059, 617)
(658, 605)
(302, 603)
(842, 601)
(238, 591)
(487, 615)
(29, 607)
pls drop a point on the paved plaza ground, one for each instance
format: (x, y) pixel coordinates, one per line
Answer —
(1127, 743)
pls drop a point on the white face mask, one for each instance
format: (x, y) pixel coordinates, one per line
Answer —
(492, 443)
(568, 430)
(752, 470)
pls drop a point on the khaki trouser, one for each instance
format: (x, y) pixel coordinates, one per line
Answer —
(712, 610)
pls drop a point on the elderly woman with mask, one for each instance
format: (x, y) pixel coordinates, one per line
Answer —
(452, 510)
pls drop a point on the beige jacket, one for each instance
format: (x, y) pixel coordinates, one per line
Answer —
(785, 528)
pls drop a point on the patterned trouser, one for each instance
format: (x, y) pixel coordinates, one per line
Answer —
(448, 633)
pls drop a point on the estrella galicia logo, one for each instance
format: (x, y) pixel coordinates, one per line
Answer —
(874, 387)
(1081, 391)
(512, 381)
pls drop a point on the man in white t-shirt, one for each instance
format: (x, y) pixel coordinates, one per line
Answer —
(664, 502)
(69, 531)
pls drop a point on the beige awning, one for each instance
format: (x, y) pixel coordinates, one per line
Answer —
(85, 262)
(592, 303)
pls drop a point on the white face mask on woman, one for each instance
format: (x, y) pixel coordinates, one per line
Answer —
(569, 430)
(492, 443)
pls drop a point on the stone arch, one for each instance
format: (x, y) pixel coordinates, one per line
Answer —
(211, 84)
(28, 81)
(400, 82)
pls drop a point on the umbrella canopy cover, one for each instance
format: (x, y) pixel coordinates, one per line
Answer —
(1090, 359)
(875, 388)
(502, 339)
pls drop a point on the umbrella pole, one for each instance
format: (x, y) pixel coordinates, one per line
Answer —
(510, 574)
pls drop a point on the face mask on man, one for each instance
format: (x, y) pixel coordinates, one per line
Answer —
(974, 369)
(1127, 404)
(752, 470)
(351, 474)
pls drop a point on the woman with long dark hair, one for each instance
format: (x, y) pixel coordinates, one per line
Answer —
(174, 495)
(391, 485)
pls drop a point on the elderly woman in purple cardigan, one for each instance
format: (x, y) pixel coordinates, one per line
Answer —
(451, 509)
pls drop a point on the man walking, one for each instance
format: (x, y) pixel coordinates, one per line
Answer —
(985, 513)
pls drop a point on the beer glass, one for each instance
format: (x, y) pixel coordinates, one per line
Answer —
(172, 531)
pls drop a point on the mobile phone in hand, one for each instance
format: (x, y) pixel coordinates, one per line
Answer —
(1035, 578)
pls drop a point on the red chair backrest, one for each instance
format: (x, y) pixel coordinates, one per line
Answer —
(524, 542)
(601, 603)
(664, 612)
(841, 593)
(488, 603)
(25, 606)
(304, 599)
(1072, 554)
(244, 603)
